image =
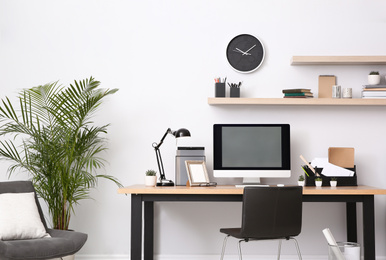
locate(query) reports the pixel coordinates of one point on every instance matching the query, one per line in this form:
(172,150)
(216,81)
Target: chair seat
(61,243)
(237,233)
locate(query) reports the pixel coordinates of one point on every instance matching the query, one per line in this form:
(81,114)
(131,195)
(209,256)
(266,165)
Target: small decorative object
(301,180)
(150,178)
(198,176)
(374,78)
(235,89)
(333,182)
(245,53)
(336,91)
(347,93)
(318,182)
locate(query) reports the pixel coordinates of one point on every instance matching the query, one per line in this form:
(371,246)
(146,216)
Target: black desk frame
(137,220)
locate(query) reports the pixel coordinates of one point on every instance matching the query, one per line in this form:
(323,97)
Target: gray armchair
(60,244)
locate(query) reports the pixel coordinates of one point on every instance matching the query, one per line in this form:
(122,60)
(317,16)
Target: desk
(146,196)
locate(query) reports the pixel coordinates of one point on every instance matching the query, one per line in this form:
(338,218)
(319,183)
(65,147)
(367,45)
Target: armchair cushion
(19,217)
(61,243)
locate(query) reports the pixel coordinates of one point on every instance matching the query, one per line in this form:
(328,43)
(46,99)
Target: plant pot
(301,183)
(150,181)
(374,79)
(333,183)
(318,183)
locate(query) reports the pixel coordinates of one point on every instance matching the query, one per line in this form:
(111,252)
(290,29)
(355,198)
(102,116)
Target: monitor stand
(249,181)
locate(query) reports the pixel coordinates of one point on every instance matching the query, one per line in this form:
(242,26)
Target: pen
(305,171)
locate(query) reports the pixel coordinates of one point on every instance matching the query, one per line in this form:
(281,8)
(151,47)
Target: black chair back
(271,212)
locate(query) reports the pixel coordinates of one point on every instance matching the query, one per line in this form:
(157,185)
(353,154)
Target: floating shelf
(338,60)
(298,101)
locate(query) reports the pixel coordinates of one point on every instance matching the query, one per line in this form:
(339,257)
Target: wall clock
(245,53)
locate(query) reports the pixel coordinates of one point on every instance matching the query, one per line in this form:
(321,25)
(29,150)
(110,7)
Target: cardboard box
(325,86)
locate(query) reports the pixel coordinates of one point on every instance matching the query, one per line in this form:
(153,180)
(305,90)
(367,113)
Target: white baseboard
(206,257)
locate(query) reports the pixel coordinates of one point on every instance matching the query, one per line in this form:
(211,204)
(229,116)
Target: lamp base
(165,183)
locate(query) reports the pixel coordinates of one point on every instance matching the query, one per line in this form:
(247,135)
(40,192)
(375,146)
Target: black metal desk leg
(149,231)
(368,227)
(136,227)
(351,221)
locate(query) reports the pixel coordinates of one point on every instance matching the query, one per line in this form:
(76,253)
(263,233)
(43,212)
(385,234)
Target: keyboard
(251,185)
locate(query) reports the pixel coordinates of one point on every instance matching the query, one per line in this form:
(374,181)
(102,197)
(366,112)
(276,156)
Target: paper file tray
(342,181)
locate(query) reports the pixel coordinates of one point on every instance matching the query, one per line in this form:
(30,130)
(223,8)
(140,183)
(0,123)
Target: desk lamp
(179,133)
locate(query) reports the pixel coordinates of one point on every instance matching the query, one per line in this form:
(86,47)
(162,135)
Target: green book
(297,94)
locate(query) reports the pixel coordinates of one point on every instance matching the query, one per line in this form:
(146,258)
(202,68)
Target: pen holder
(219,90)
(235,92)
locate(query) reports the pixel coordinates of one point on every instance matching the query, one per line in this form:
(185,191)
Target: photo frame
(197,174)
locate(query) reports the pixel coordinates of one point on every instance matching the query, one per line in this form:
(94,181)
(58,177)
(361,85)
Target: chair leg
(279,250)
(239,247)
(223,247)
(297,248)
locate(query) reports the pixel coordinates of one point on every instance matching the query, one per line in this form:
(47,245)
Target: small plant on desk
(318,182)
(150,178)
(333,182)
(301,180)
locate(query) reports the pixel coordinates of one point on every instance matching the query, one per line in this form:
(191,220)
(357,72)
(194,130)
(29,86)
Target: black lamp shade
(182,132)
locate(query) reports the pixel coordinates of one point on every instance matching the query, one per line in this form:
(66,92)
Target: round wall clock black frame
(245,53)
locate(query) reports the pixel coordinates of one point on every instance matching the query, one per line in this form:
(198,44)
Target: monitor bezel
(274,172)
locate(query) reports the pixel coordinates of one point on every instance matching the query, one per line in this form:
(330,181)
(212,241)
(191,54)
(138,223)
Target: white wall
(163,56)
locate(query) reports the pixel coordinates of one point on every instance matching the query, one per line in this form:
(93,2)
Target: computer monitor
(251,151)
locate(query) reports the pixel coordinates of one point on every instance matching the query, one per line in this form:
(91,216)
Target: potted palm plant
(50,134)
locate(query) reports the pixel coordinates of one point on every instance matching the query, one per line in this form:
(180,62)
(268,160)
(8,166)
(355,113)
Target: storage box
(325,86)
(342,181)
(184,154)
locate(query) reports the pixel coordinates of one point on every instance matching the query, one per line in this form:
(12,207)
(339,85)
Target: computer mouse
(280,185)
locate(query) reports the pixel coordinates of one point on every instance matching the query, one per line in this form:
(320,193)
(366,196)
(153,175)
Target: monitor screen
(251,150)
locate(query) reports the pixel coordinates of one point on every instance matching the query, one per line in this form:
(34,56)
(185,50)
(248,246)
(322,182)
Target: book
(374,86)
(298,94)
(374,89)
(374,94)
(296,90)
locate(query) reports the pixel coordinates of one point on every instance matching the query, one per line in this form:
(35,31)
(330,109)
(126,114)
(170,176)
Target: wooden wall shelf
(298,101)
(338,60)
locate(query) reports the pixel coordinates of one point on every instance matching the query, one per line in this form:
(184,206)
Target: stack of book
(374,91)
(297,93)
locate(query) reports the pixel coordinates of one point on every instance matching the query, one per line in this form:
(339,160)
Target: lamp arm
(168,131)
(159,162)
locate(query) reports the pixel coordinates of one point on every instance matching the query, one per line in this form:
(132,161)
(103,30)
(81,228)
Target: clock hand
(246,53)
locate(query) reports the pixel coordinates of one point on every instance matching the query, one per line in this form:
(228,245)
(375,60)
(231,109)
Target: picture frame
(197,174)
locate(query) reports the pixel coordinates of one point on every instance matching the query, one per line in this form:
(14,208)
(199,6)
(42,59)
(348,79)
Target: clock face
(245,53)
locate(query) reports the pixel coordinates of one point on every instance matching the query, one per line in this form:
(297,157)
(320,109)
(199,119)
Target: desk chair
(268,213)
(61,243)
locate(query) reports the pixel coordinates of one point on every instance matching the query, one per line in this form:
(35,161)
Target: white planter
(301,183)
(374,79)
(333,183)
(318,183)
(150,181)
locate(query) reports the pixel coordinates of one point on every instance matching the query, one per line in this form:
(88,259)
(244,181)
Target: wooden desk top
(231,189)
